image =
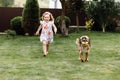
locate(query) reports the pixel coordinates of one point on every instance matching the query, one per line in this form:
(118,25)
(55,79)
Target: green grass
(22,58)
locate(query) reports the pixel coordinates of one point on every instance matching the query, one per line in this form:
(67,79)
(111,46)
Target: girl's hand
(55,30)
(37,33)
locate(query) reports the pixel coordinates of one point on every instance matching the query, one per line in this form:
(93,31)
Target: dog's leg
(86,57)
(80,56)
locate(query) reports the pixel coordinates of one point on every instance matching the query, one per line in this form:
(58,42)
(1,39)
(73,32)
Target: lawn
(22,58)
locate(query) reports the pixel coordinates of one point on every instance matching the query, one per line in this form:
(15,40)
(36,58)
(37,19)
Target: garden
(21,52)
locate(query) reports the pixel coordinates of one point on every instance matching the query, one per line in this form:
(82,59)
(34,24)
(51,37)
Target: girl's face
(46,17)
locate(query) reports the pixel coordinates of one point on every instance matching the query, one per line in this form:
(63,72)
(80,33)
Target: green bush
(57,22)
(30,14)
(10,32)
(67,21)
(16,24)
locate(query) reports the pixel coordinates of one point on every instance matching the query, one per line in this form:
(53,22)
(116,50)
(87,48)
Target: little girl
(46,37)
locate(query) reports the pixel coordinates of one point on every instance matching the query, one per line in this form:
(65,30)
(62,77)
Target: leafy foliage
(6,3)
(10,32)
(89,24)
(16,24)
(75,5)
(58,20)
(67,20)
(30,16)
(102,12)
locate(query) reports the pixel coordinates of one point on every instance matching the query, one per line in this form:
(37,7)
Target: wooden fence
(7,13)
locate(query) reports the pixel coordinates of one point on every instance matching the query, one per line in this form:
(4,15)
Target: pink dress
(47,32)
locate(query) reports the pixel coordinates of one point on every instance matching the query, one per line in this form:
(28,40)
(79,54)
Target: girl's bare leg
(48,47)
(44,48)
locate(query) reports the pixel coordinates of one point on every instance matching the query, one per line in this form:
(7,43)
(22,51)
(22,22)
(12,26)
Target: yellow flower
(89,24)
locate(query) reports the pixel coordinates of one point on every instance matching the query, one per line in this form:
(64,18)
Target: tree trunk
(63,27)
(103,27)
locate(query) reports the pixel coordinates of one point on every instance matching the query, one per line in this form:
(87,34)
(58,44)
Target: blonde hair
(48,13)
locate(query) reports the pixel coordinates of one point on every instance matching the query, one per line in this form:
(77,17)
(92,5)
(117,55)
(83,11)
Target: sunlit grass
(22,58)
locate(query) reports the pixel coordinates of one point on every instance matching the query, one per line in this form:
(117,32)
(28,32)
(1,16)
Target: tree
(76,6)
(63,27)
(6,3)
(30,16)
(103,11)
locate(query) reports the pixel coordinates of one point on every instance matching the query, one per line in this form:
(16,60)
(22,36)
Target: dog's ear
(88,39)
(77,41)
(80,41)
(89,42)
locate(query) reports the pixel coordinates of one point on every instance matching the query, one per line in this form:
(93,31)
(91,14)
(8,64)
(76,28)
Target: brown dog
(83,44)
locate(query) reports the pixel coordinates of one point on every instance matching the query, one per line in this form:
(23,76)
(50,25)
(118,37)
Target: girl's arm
(38,30)
(54,28)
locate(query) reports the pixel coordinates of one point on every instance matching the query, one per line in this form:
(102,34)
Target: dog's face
(84,40)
